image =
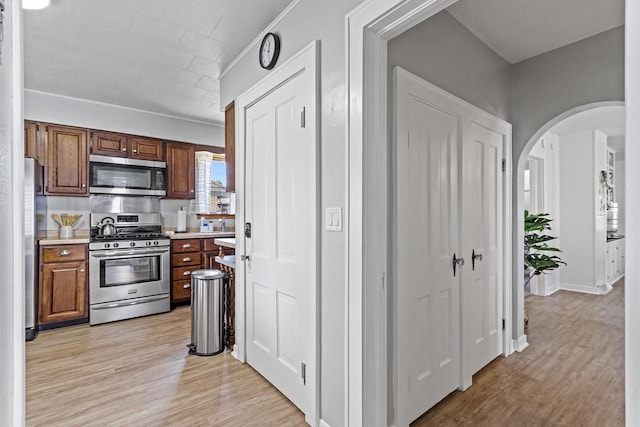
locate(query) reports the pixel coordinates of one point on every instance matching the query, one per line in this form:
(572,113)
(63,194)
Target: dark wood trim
(230,146)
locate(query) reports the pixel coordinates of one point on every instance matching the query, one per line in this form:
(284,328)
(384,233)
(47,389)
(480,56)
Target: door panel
(427,221)
(280,276)
(482,236)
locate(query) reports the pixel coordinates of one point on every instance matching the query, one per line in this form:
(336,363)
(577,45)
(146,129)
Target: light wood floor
(137,373)
(572,373)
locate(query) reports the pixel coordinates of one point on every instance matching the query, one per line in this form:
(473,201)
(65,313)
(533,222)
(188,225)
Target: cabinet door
(66,170)
(146,149)
(33,144)
(181,170)
(109,144)
(63,292)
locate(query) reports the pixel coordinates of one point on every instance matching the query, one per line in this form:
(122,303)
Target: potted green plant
(537,259)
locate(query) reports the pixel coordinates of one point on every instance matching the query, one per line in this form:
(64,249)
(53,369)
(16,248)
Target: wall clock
(269,51)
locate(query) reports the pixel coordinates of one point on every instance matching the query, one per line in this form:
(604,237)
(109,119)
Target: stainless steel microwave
(117,175)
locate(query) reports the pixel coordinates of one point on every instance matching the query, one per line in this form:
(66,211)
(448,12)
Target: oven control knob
(148,243)
(107,246)
(132,244)
(115,245)
(155,243)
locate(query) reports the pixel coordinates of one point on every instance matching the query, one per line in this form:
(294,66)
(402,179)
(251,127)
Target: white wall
(64,110)
(548,150)
(632,200)
(12,331)
(463,66)
(582,157)
(325,21)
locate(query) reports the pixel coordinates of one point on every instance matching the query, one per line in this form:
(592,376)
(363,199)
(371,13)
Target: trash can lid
(207,274)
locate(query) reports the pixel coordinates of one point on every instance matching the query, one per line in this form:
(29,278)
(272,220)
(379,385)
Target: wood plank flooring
(138,373)
(572,373)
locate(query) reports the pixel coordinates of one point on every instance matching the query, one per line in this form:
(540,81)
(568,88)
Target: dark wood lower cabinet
(63,284)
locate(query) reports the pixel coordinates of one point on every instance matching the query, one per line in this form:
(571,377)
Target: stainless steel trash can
(207,312)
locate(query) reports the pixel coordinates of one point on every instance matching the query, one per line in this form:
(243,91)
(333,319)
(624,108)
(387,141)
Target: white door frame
(367,29)
(305,61)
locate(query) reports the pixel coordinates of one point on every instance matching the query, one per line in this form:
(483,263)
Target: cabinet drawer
(183,273)
(186,245)
(184,259)
(64,253)
(181,289)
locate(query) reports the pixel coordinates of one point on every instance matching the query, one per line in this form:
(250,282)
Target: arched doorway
(520,166)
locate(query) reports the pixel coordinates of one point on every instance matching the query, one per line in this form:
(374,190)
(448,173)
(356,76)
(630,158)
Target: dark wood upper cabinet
(121,145)
(181,167)
(109,144)
(67,159)
(146,148)
(230,146)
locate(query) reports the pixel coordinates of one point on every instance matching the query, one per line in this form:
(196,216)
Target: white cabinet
(615,260)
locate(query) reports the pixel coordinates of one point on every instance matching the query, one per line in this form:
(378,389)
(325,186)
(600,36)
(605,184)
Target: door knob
(244,257)
(457,262)
(474,257)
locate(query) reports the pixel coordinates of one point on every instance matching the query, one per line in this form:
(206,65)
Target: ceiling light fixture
(35,4)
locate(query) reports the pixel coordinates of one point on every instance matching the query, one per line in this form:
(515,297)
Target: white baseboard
(323,423)
(520,344)
(602,289)
(616,279)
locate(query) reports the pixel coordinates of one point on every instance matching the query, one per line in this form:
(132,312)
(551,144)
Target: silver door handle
(457,262)
(186,273)
(474,257)
(65,253)
(186,245)
(187,286)
(186,259)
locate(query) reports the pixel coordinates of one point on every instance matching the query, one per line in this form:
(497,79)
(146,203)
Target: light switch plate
(333,219)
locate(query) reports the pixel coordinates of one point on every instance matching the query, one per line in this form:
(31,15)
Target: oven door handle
(128,303)
(113,254)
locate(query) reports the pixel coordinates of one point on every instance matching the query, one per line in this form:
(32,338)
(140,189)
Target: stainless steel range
(128,266)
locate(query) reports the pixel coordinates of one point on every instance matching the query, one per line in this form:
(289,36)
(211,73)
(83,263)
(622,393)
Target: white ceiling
(521,29)
(156,55)
(610,120)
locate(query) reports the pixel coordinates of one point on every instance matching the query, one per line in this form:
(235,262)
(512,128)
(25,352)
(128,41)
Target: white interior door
(482,231)
(280,205)
(427,134)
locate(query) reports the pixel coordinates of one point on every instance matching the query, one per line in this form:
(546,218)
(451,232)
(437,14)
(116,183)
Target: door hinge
(503,324)
(504,165)
(303,370)
(303,118)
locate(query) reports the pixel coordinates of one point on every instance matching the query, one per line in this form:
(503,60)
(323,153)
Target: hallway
(572,373)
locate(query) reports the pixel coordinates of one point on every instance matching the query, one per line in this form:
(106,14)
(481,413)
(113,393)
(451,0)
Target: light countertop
(198,235)
(51,241)
(229,261)
(227,242)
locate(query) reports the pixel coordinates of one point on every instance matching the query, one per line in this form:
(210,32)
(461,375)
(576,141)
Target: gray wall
(445,53)
(11,228)
(319,20)
(591,70)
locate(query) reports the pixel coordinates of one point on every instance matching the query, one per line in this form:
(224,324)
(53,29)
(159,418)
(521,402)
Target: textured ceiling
(154,55)
(521,29)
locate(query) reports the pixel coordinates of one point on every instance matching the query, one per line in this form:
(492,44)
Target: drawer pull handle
(186,245)
(65,252)
(186,273)
(186,259)
(187,286)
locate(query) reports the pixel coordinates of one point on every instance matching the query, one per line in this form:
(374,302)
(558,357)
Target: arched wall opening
(519,204)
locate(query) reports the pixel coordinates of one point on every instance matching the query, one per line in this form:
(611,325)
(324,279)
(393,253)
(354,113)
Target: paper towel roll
(182,221)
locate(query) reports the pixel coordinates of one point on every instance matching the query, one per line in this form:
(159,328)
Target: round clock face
(269,51)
